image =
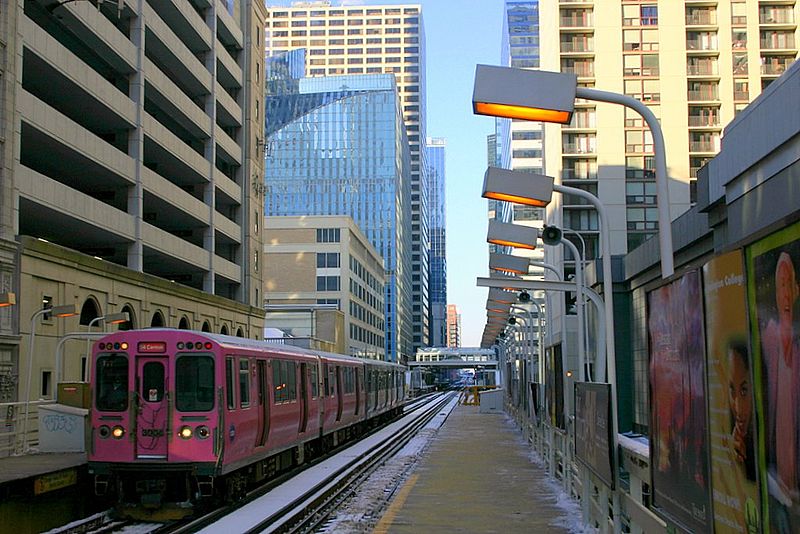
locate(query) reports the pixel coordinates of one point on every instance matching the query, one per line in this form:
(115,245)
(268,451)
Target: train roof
(235,341)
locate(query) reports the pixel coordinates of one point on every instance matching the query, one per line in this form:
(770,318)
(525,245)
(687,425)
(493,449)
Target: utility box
(62,428)
(76,394)
(491,400)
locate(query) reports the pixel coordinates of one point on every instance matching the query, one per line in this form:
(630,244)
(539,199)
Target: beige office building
(325,262)
(131,173)
(695,63)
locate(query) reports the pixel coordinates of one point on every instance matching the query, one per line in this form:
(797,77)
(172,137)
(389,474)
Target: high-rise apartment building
(438,261)
(338,146)
(129,143)
(453,326)
(372,39)
(695,64)
(326,262)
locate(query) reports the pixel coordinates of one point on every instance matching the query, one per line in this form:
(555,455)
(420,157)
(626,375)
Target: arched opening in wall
(206,327)
(184,324)
(157,321)
(130,324)
(224,330)
(239,332)
(89,312)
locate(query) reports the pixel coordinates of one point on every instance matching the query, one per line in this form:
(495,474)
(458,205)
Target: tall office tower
(695,64)
(438,222)
(370,39)
(453,326)
(339,147)
(523,139)
(125,183)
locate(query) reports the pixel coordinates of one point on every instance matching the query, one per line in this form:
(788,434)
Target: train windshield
(112,383)
(194,383)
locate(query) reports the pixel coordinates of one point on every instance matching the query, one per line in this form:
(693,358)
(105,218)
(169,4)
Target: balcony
(701,18)
(703,96)
(776,66)
(700,45)
(577,22)
(781,42)
(577,47)
(582,71)
(578,174)
(703,121)
(703,146)
(776,17)
(577,148)
(702,69)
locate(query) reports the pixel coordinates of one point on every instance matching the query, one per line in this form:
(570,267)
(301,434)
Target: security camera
(524,296)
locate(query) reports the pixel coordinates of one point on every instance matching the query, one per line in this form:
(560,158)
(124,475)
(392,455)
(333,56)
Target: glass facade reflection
(438,262)
(339,147)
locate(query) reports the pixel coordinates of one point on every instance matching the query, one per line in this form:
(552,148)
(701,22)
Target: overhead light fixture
(8,299)
(68,310)
(519,187)
(531,95)
(507,263)
(512,235)
(503,297)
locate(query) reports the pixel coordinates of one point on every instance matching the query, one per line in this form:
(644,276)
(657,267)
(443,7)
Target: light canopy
(512,235)
(519,187)
(507,263)
(531,95)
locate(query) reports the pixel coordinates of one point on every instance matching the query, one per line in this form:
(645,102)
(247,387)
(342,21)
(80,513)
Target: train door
(339,400)
(152,414)
(303,397)
(263,403)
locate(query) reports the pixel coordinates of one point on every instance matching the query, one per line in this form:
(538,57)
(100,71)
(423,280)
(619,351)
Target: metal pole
(659,153)
(28,381)
(580,283)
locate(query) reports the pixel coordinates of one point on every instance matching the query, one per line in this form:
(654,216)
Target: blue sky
(460,34)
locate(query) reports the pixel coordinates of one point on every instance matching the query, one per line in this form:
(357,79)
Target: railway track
(304,502)
(415,411)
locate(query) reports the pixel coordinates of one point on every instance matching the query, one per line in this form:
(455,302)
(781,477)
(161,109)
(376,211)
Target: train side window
(278,381)
(244,382)
(314,385)
(325,386)
(291,381)
(331,382)
(229,383)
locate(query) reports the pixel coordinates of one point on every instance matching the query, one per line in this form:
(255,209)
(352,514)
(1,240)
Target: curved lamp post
(537,95)
(56,311)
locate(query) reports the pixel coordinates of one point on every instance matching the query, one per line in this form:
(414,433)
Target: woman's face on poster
(785,285)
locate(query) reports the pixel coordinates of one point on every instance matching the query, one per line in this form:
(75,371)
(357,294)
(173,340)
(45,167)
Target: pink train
(180,417)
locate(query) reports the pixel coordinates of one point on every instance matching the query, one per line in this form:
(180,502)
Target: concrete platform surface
(478,476)
(31,465)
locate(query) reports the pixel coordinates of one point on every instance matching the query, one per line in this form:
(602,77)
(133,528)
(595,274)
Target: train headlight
(104,432)
(185,432)
(117,432)
(203,432)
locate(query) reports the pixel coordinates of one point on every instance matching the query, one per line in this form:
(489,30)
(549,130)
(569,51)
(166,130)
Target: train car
(179,417)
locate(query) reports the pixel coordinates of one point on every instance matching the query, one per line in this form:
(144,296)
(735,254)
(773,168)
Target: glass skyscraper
(437,279)
(366,39)
(338,146)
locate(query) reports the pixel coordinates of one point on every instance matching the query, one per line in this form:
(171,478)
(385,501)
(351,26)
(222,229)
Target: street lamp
(57,311)
(512,235)
(550,97)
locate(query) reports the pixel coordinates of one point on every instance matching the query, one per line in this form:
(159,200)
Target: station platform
(42,472)
(479,475)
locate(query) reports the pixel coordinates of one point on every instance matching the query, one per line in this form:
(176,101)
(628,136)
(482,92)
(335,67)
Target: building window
(327,259)
(327,283)
(328,235)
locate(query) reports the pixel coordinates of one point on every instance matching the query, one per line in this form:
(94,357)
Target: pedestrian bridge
(455,358)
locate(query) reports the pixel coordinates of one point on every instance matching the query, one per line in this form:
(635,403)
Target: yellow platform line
(386,521)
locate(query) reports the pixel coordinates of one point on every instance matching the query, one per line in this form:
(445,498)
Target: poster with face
(679,443)
(731,414)
(773,295)
(593,429)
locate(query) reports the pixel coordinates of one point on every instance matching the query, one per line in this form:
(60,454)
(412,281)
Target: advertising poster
(593,429)
(679,443)
(731,413)
(772,267)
